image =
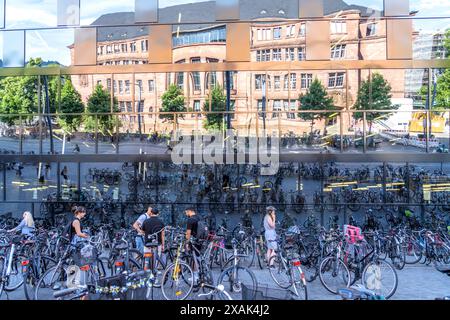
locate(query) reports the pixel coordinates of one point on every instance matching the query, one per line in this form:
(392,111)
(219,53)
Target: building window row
(262,81)
(122,48)
(292,54)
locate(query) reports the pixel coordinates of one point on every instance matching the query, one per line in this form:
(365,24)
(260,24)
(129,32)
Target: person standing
(192,231)
(75,232)
(65,173)
(270,234)
(153,229)
(137,225)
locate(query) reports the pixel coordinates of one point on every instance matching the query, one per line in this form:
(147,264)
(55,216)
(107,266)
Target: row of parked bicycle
(222,265)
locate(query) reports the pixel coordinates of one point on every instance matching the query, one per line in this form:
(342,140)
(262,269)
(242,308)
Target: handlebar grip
(65,292)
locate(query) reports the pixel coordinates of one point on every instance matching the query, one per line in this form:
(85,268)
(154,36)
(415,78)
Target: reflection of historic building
(363,39)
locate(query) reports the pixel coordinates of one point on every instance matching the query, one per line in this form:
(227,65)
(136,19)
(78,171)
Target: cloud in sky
(52,44)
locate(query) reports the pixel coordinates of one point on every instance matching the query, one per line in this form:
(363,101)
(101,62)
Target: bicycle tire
(57,274)
(372,285)
(16,274)
(32,275)
(279,271)
(184,275)
(234,287)
(345,277)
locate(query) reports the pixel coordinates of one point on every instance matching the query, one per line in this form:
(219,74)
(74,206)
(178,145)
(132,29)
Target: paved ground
(416,282)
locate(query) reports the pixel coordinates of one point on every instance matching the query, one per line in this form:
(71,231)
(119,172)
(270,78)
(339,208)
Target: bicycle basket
(86,255)
(265,293)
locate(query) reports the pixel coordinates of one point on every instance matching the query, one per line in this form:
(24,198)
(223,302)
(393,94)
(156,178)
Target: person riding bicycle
(76,149)
(270,233)
(153,229)
(137,225)
(26,226)
(75,230)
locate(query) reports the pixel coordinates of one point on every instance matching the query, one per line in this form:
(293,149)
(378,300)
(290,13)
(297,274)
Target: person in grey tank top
(270,234)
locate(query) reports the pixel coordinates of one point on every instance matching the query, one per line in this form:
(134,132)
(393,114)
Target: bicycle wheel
(398,257)
(177,281)
(334,274)
(300,289)
(280,272)
(15,278)
(33,271)
(52,280)
(233,279)
(310,268)
(380,277)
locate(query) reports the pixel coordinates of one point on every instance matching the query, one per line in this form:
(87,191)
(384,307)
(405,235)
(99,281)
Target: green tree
(218,104)
(442,98)
(172,101)
(378,99)
(100,102)
(315,99)
(447,43)
(18,95)
(70,103)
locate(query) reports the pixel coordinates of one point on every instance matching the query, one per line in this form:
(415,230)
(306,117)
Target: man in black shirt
(192,223)
(153,226)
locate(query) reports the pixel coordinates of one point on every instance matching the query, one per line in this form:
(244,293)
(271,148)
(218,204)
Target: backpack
(202,230)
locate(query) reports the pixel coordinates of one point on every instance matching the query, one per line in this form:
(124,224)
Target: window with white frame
(277,82)
(338,27)
(301,53)
(151,85)
(197,106)
(286,82)
(290,31)
(336,80)
(338,51)
(290,54)
(196,80)
(293,80)
(124,47)
(259,81)
(120,87)
(263,55)
(277,106)
(276,33)
(127,86)
(306,80)
(292,107)
(133,47)
(276,55)
(302,30)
